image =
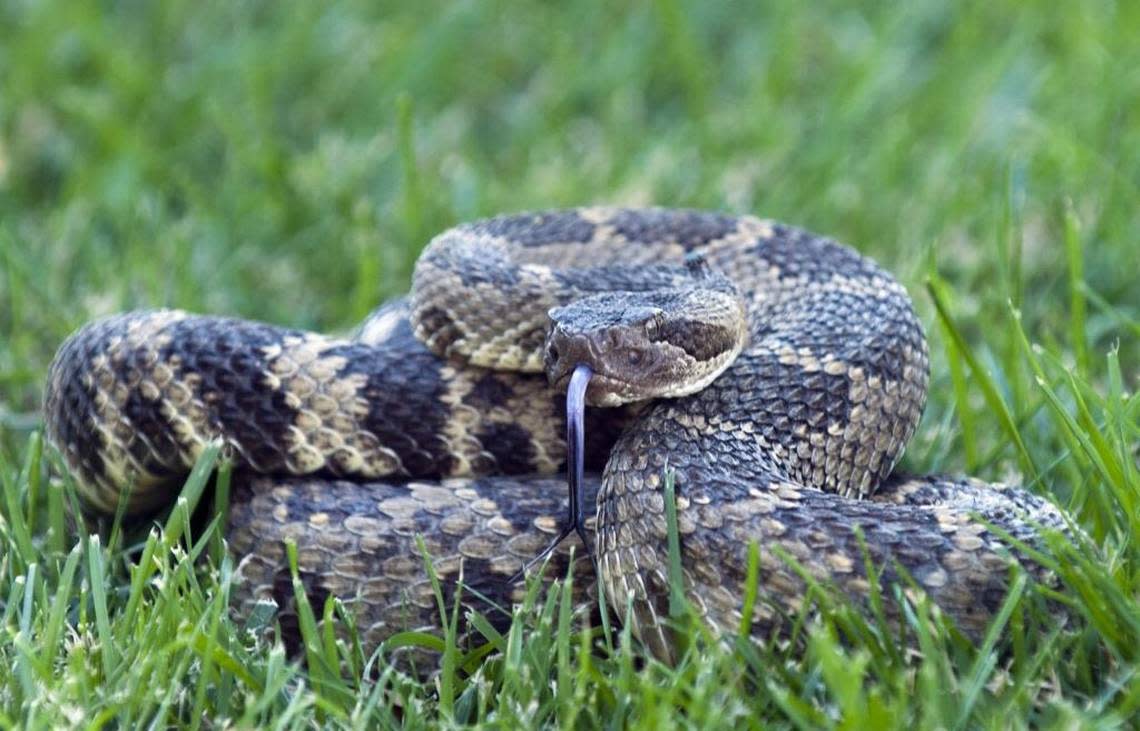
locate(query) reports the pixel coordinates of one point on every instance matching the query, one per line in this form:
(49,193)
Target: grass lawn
(287,160)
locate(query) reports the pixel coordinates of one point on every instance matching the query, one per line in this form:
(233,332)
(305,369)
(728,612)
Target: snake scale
(805,371)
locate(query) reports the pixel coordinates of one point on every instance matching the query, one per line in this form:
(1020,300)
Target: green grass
(286,161)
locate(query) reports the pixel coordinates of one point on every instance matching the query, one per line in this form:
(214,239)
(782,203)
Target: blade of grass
(1076,271)
(95,570)
(936,289)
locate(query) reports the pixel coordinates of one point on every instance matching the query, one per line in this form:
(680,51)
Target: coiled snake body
(433,421)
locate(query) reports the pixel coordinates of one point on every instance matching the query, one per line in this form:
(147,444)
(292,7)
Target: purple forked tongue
(576,446)
(575,466)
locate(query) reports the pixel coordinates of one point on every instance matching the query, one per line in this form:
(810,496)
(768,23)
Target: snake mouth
(603,390)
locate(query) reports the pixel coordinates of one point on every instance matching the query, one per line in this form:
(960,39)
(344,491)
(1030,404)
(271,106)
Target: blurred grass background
(287,160)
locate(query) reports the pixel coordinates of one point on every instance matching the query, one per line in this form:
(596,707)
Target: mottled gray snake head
(645,345)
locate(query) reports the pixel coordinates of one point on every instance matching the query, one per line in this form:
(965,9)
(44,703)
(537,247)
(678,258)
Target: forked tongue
(575,466)
(576,446)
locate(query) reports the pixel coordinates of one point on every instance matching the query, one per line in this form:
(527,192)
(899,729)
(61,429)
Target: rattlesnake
(435,420)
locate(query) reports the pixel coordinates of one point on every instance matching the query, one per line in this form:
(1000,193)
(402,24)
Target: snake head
(644,345)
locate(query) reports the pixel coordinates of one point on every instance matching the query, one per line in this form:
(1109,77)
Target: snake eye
(635,356)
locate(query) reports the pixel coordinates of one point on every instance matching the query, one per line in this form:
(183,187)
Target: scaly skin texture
(351,448)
